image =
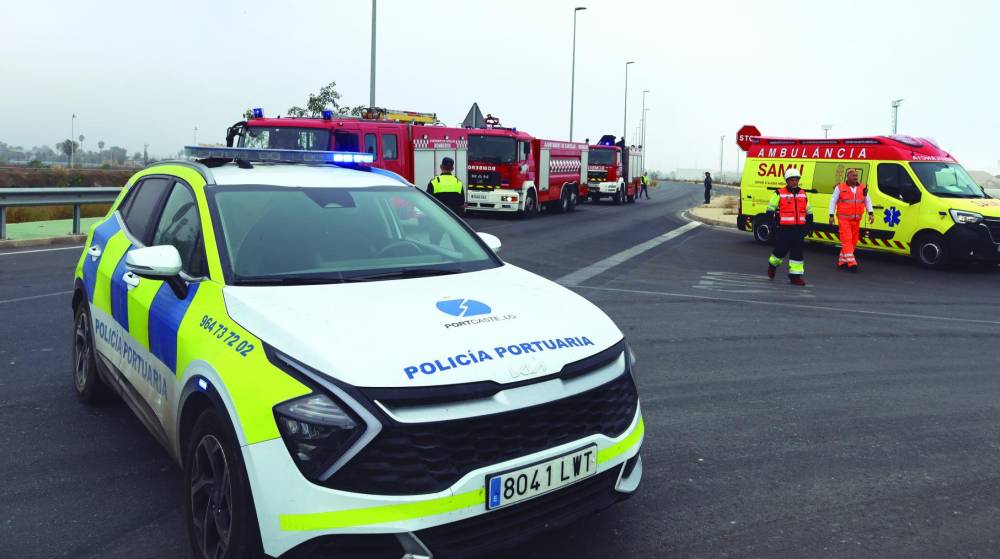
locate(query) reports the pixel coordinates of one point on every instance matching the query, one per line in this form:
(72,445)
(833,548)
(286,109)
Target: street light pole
(625,118)
(195,135)
(826,130)
(371,95)
(572,82)
(72,134)
(722,145)
(642,132)
(895,113)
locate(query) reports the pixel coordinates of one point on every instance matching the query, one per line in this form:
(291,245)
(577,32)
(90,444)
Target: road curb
(25,243)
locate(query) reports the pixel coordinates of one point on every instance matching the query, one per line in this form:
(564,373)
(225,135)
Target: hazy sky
(149,72)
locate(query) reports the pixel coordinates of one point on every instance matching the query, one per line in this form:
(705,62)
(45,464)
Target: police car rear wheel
(220,515)
(930,251)
(88,384)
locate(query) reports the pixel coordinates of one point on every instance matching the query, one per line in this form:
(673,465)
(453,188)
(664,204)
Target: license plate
(475,196)
(531,481)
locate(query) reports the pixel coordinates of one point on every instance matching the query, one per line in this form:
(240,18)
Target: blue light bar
(327,115)
(258,113)
(280,155)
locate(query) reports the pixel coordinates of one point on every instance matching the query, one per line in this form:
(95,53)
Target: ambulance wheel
(219,509)
(763,231)
(930,250)
(90,389)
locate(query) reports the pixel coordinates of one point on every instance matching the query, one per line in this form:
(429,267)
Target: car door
(155,310)
(896,202)
(105,266)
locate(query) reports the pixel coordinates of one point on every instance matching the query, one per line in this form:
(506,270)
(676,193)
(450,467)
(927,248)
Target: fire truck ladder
(376,113)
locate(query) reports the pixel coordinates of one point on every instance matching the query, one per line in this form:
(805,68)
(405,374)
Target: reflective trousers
(790,239)
(850,235)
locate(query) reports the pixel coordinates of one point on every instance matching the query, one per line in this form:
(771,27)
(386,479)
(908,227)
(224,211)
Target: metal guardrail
(72,196)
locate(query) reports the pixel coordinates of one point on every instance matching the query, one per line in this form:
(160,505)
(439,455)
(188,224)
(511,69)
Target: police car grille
(417,458)
(994,226)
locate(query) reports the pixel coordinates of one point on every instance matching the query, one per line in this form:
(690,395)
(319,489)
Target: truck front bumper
(603,188)
(496,200)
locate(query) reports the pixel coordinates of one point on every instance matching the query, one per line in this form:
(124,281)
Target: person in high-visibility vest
(848,204)
(447,188)
(794,218)
(644,183)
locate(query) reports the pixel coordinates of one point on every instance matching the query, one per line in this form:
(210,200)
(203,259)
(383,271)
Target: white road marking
(32,297)
(76,247)
(794,305)
(733,282)
(601,266)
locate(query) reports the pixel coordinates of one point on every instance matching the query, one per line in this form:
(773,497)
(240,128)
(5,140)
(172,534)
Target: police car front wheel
(220,515)
(88,384)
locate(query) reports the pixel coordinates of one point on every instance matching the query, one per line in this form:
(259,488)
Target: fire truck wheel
(573,199)
(530,206)
(563,200)
(618,197)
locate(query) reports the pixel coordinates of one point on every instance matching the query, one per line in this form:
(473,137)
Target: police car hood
(504,325)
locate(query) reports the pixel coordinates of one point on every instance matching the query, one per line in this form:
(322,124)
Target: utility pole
(722,144)
(72,134)
(625,118)
(642,133)
(371,96)
(895,113)
(195,136)
(826,130)
(572,83)
(145,154)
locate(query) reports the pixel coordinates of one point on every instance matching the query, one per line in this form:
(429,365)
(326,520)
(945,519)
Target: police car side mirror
(158,262)
(491,241)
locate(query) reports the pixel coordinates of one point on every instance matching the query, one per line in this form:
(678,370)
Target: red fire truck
(608,175)
(407,143)
(512,171)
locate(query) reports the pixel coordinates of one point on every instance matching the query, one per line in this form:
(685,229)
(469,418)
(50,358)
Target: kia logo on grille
(463,307)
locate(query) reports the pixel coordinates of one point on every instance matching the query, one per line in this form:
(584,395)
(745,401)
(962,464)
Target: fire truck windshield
(601,157)
(273,137)
(492,149)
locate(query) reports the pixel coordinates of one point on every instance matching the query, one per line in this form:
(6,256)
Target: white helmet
(792,173)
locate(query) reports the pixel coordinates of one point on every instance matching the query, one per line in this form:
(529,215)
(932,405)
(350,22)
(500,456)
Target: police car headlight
(966,218)
(317,431)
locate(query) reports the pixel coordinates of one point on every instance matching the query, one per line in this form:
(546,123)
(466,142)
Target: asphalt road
(856,417)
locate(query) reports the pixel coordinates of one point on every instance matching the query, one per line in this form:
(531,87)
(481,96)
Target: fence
(76,197)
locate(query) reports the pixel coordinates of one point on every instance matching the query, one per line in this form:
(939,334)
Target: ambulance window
(345,141)
(389,149)
(142,207)
(371,144)
(893,180)
(180,227)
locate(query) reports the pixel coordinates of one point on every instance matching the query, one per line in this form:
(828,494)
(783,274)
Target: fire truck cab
(610,175)
(407,143)
(512,171)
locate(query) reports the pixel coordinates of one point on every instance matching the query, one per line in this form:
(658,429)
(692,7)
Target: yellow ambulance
(926,205)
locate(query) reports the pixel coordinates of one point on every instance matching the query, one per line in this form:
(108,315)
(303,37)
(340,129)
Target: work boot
(796,280)
(770,271)
(853,269)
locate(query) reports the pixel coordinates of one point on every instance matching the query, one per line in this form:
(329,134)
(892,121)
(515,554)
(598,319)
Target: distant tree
(117,154)
(327,99)
(137,156)
(100,144)
(67,147)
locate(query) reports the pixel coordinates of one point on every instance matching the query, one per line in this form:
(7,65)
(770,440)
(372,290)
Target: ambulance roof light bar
(345,158)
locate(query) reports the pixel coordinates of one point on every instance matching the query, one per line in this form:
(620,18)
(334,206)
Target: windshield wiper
(290,280)
(402,274)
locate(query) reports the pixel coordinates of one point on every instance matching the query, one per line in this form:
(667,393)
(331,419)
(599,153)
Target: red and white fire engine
(512,171)
(610,175)
(407,143)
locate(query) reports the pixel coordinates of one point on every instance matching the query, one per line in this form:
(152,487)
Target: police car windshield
(492,149)
(273,137)
(288,235)
(948,180)
(601,157)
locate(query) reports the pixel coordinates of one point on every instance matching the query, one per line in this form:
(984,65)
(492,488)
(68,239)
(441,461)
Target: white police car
(342,366)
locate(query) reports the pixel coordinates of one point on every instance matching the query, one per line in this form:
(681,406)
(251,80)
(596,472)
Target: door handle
(878,207)
(94,252)
(130,279)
